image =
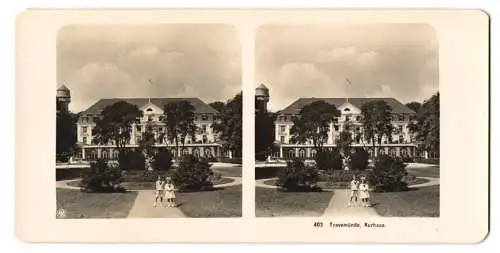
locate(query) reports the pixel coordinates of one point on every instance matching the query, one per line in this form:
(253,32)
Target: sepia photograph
(347,120)
(149,121)
(154,137)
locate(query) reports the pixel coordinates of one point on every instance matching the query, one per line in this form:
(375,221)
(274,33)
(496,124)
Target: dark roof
(262,86)
(200,106)
(295,107)
(63,88)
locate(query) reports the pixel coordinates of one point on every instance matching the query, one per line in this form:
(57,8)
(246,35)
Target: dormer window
(149,110)
(347,110)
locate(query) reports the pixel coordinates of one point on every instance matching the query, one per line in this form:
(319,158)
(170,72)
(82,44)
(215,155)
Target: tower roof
(63,88)
(262,87)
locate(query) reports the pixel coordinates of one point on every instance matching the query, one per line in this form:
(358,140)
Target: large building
(204,143)
(402,143)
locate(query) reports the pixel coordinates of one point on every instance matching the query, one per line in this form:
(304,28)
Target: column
(281,151)
(98,153)
(398,151)
(296,152)
(83,153)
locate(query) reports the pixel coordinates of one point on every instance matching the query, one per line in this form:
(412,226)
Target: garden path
(338,206)
(143,208)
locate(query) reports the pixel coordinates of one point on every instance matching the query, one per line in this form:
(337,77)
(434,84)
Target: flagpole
(149,97)
(347,83)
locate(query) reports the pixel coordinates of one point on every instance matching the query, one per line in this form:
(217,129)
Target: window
(139,128)
(149,110)
(282,128)
(401,139)
(336,127)
(347,110)
(84,140)
(208,152)
(160,129)
(104,154)
(335,120)
(282,139)
(400,128)
(358,118)
(205,139)
(302,153)
(150,118)
(185,151)
(84,129)
(401,117)
(347,118)
(313,153)
(203,128)
(204,117)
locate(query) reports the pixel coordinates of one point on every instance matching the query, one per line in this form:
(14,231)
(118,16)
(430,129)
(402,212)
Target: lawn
(228,171)
(270,202)
(78,204)
(424,172)
(208,204)
(420,202)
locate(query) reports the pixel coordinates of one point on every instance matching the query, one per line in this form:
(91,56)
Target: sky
(170,60)
(361,60)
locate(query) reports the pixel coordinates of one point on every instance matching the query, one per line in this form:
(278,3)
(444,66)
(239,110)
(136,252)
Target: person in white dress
(159,185)
(170,192)
(364,192)
(354,191)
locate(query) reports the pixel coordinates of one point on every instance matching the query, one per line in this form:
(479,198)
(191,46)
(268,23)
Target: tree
(344,141)
(218,106)
(376,120)
(147,142)
(179,121)
(264,133)
(65,134)
(415,106)
(229,126)
(313,123)
(115,125)
(426,125)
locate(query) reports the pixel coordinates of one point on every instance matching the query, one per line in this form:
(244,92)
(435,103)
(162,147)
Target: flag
(348,82)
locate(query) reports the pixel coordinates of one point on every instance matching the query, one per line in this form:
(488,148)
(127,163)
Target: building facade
(204,143)
(402,142)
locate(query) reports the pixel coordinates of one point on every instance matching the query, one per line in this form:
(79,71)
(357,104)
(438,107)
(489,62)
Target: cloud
(390,60)
(159,61)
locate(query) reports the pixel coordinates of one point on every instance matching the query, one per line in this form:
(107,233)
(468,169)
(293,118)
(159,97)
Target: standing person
(354,190)
(159,185)
(170,192)
(364,191)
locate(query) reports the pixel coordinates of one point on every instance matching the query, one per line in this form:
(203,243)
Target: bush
(429,160)
(162,160)
(132,160)
(359,159)
(99,166)
(389,174)
(101,178)
(329,160)
(407,159)
(297,177)
(144,176)
(192,174)
(336,176)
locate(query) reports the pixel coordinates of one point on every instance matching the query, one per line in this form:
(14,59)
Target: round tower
(63,98)
(261,97)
